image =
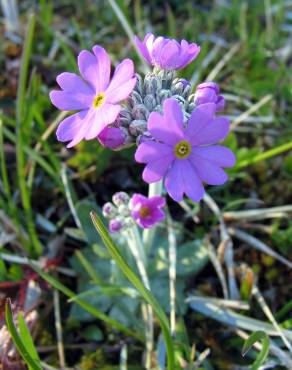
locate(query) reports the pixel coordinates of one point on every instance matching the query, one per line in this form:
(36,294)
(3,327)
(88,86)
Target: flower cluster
(176,130)
(124,211)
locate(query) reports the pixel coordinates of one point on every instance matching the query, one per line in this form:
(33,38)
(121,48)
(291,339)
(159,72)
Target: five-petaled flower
(185,156)
(95,96)
(167,53)
(147,211)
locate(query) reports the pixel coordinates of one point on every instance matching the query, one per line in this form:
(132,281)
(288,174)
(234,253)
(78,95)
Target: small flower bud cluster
(118,212)
(148,96)
(123,212)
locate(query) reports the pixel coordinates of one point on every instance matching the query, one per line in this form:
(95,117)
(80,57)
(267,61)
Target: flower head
(94,95)
(147,211)
(208,92)
(185,156)
(167,53)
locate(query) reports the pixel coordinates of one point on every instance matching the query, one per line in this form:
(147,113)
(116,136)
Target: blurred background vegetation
(47,191)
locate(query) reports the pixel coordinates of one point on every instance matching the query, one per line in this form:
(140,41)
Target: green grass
(47,192)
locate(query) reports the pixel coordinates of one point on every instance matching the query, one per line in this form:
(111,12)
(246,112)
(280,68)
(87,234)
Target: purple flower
(167,53)
(95,96)
(185,157)
(208,92)
(147,211)
(112,137)
(115,225)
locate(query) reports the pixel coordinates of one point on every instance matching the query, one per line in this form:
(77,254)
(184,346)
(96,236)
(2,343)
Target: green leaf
(20,346)
(253,338)
(92,333)
(191,257)
(27,339)
(133,278)
(86,306)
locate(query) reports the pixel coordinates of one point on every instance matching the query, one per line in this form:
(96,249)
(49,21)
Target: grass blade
(133,278)
(20,346)
(27,339)
(36,247)
(255,337)
(265,155)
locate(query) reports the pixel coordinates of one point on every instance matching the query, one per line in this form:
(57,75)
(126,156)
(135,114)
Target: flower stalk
(137,250)
(148,234)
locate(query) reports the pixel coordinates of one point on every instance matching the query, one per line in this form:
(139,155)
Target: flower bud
(112,137)
(208,92)
(120,198)
(109,210)
(115,225)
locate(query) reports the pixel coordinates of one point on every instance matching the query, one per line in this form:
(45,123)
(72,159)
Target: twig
(228,253)
(218,268)
(258,244)
(26,261)
(238,305)
(211,76)
(202,357)
(258,214)
(69,197)
(268,313)
(125,24)
(58,326)
(250,111)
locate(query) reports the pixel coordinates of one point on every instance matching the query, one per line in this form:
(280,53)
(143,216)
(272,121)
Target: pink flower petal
(70,126)
(169,128)
(142,48)
(174,182)
(154,171)
(219,155)
(182,178)
(168,54)
(102,117)
(103,68)
(200,117)
(157,201)
(121,92)
(95,68)
(213,132)
(73,128)
(151,151)
(70,101)
(209,172)
(193,186)
(70,82)
(123,73)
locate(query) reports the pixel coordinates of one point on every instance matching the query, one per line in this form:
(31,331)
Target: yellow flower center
(182,149)
(98,100)
(144,212)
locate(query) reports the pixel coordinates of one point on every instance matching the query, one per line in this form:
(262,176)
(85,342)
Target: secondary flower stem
(172,273)
(137,250)
(148,234)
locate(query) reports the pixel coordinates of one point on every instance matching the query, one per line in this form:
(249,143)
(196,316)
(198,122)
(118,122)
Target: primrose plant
(176,131)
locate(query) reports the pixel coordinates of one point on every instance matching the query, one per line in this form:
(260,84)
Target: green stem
(134,279)
(136,246)
(149,234)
